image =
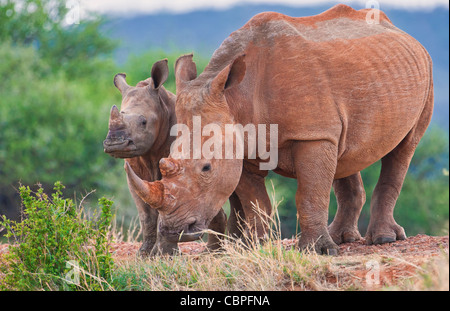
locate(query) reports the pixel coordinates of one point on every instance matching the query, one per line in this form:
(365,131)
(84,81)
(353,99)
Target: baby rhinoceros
(140,134)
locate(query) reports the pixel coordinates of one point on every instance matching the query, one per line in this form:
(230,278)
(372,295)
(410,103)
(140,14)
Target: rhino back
(332,76)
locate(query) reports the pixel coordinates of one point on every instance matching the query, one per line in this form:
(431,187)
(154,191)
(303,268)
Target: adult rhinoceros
(344,93)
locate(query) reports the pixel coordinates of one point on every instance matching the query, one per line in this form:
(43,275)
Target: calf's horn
(151,193)
(115,119)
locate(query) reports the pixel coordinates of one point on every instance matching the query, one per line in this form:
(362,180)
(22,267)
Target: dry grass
(249,266)
(264,268)
(275,265)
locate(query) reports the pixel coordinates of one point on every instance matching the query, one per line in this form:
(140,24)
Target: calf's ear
(229,76)
(160,72)
(120,82)
(185,71)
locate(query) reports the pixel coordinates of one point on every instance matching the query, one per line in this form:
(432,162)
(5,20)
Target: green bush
(58,247)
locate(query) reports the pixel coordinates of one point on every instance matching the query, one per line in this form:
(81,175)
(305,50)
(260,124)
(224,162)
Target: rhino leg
(219,225)
(255,202)
(382,226)
(350,197)
(315,166)
(235,223)
(163,247)
(148,218)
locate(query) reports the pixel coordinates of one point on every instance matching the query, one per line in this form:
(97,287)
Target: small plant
(57,246)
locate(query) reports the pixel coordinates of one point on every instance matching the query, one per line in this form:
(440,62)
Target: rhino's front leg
(315,166)
(236,221)
(148,218)
(219,225)
(164,247)
(255,201)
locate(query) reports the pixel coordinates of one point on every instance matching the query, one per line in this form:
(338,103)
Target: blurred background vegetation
(55,95)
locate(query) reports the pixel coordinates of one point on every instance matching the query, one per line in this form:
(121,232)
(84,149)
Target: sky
(134,7)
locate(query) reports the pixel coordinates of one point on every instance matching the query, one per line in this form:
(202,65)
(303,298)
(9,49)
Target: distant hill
(202,32)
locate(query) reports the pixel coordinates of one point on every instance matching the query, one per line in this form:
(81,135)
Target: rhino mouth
(190,233)
(119,148)
(184,237)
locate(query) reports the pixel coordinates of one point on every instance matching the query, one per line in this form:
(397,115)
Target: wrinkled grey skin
(139,133)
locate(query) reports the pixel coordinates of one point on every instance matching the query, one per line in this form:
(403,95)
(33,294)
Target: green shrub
(58,246)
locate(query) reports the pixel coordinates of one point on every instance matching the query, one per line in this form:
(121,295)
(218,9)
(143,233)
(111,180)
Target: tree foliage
(56,92)
(64,42)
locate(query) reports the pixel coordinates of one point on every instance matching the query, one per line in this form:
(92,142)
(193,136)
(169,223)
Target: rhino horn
(151,193)
(115,119)
(168,167)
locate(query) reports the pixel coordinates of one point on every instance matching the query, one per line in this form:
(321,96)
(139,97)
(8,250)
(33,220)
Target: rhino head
(192,191)
(135,129)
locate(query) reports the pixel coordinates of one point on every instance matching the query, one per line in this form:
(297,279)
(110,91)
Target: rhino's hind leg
(315,166)
(350,197)
(382,226)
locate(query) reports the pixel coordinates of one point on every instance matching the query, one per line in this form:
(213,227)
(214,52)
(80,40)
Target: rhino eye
(142,120)
(206,167)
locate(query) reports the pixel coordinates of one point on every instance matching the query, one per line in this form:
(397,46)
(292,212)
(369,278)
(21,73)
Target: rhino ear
(229,76)
(185,71)
(120,82)
(160,72)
